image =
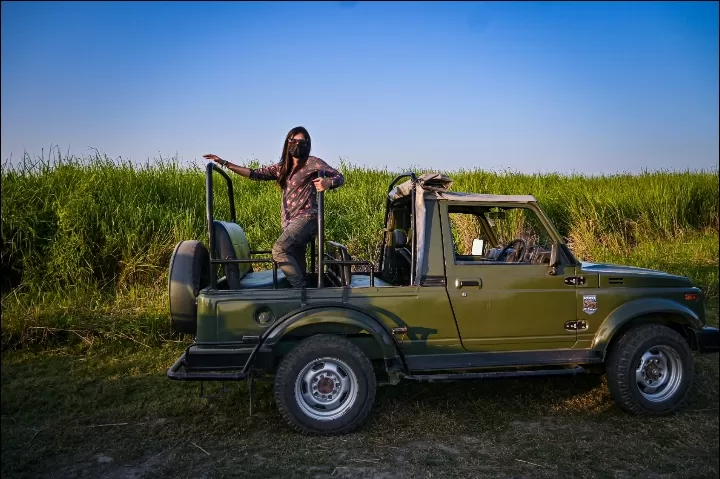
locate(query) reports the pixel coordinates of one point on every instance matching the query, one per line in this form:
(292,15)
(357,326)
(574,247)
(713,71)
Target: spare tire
(189,273)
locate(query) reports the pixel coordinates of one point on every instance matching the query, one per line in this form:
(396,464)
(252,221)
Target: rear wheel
(325,386)
(650,370)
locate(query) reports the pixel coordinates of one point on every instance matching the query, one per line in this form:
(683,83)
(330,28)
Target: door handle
(459,283)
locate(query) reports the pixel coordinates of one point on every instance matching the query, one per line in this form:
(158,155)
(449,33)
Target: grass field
(109,411)
(87,242)
(86,340)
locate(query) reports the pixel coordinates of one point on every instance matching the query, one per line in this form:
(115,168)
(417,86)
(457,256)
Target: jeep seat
(231,243)
(396,264)
(400,246)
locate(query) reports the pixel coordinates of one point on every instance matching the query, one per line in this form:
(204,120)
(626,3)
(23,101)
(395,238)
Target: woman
(297,177)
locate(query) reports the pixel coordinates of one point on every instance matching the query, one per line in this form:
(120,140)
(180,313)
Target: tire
(637,384)
(189,273)
(331,365)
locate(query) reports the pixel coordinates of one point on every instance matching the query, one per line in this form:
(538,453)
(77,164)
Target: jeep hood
(636,277)
(618,269)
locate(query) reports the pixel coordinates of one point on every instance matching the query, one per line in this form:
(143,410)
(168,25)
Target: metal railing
(342,278)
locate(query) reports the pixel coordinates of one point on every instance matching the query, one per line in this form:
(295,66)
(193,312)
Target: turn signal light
(691,297)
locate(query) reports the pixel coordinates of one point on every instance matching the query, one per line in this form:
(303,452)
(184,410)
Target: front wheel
(650,370)
(325,386)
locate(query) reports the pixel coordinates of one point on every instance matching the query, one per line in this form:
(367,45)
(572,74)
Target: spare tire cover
(189,273)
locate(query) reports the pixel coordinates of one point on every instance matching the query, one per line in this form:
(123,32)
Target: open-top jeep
(469,286)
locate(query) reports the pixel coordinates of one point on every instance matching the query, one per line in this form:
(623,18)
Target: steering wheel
(503,252)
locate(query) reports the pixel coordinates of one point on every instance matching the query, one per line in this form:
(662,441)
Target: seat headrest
(231,242)
(399,239)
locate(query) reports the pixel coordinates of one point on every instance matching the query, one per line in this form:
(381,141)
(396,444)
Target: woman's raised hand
(216,159)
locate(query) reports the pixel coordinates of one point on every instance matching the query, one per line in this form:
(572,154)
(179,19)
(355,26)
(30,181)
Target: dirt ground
(112,413)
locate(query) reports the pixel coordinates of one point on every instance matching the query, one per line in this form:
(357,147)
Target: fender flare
(332,313)
(627,312)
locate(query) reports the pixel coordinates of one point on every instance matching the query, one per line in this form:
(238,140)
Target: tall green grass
(102,231)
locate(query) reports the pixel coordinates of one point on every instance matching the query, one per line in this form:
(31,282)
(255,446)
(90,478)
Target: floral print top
(299,196)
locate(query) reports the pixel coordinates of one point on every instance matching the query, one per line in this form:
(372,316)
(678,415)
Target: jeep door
(512,303)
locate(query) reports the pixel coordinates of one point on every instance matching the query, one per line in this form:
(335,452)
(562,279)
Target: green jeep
(468,286)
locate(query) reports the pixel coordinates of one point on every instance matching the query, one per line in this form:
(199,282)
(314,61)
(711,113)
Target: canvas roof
(436,185)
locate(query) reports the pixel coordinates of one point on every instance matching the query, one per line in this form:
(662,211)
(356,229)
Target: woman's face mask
(298,148)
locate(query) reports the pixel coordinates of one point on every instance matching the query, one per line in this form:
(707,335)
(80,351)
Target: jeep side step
(493,375)
(175,373)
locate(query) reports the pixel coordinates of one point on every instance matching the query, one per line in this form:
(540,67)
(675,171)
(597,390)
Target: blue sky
(591,87)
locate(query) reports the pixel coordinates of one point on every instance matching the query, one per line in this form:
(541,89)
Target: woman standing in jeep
(297,177)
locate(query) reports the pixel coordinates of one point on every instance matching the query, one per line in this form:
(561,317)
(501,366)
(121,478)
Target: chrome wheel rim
(326,388)
(659,373)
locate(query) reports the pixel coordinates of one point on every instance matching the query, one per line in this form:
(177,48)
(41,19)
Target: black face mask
(298,151)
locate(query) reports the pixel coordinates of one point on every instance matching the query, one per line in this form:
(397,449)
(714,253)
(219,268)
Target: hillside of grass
(87,241)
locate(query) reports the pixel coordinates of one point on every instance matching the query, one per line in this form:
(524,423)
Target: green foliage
(103,229)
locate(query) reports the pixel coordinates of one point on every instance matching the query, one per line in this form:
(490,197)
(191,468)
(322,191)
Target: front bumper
(708,340)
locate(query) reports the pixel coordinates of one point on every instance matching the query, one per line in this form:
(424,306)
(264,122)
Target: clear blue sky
(530,86)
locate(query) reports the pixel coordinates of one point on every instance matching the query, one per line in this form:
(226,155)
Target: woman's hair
(286,159)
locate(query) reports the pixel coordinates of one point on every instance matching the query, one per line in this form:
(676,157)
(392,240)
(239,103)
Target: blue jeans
(289,249)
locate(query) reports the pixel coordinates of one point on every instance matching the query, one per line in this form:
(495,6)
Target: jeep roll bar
(209,196)
(321,234)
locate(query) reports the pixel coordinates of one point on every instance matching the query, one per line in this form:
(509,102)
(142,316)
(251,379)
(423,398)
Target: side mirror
(554,262)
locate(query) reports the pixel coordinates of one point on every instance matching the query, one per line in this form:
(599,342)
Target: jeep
(466,286)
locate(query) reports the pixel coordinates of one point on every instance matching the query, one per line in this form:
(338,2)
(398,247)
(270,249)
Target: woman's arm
(333,178)
(336,178)
(265,173)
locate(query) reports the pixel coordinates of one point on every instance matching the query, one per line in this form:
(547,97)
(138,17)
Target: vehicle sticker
(589,303)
